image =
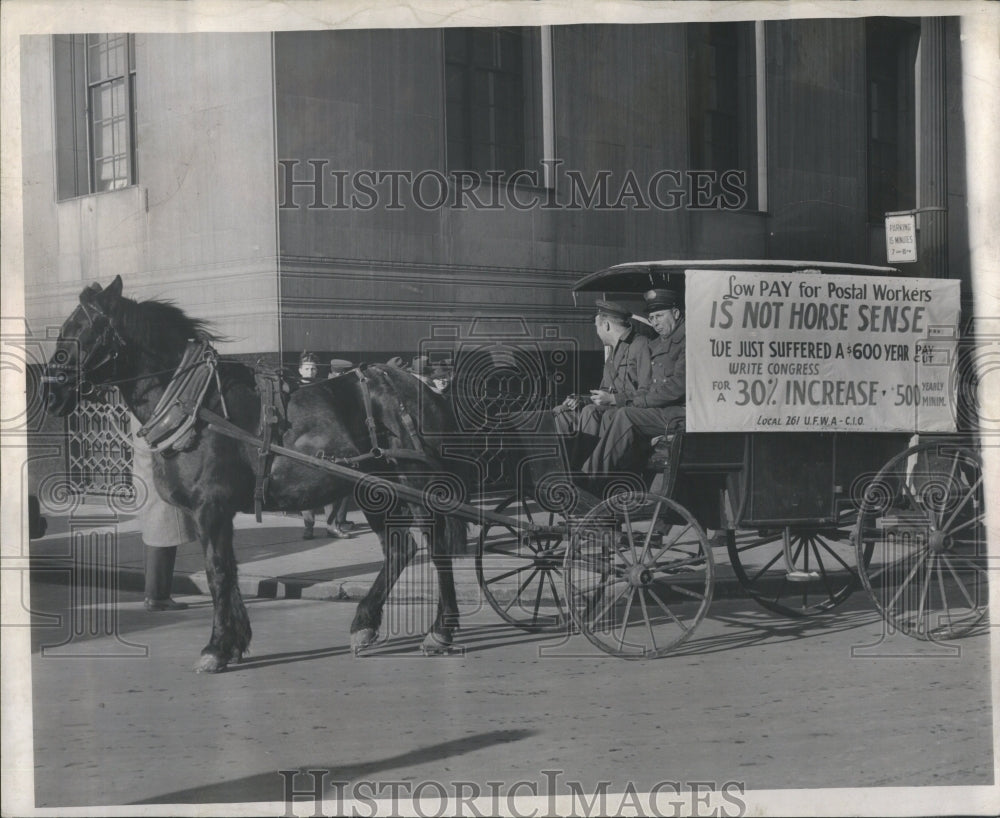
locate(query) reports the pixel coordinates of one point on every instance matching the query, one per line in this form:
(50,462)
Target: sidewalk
(275,562)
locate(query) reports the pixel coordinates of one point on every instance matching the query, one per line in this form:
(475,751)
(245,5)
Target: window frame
(535,74)
(902,36)
(749,101)
(79,92)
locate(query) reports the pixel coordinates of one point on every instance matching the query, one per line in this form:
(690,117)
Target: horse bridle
(109,345)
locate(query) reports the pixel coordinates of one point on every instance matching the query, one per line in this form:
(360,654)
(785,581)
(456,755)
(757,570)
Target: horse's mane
(161,325)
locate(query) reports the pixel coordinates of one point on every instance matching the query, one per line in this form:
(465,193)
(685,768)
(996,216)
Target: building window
(493,99)
(891,47)
(722,100)
(95,112)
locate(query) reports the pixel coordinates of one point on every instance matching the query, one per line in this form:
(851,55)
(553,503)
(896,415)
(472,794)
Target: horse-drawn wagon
(807,513)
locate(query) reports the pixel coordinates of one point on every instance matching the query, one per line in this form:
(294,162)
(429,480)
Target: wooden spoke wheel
(639,575)
(923,516)
(798,572)
(521,574)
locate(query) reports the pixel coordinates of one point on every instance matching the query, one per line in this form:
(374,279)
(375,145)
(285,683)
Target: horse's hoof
(364,638)
(436,643)
(209,663)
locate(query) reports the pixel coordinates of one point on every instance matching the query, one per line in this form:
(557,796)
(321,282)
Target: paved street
(754,699)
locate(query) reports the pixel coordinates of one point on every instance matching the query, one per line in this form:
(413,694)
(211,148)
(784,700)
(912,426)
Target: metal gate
(99,455)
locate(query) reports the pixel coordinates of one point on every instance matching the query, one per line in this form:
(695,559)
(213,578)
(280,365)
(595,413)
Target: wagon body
(806,517)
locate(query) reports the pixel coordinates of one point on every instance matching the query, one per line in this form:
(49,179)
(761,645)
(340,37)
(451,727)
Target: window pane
(482,47)
(96,58)
(456,122)
(481,157)
(107,56)
(108,100)
(510,51)
(722,122)
(104,174)
(485,78)
(891,50)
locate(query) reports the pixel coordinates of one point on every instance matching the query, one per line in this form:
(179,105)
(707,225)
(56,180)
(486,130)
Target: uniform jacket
(627,371)
(668,380)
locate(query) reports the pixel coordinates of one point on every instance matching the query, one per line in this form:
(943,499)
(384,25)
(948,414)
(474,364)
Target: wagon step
(794,574)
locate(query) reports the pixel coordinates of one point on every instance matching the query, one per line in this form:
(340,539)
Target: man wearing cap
(640,323)
(308,368)
(625,433)
(338,367)
(337,524)
(626,372)
(421,367)
(441,378)
(308,373)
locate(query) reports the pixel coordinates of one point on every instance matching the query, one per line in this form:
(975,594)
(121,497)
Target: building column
(932,143)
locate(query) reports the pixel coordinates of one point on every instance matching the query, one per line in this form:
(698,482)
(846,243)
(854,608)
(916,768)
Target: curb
(127,579)
(726,586)
(407,590)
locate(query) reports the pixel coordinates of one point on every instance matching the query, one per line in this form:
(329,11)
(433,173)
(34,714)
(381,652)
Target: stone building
(352,191)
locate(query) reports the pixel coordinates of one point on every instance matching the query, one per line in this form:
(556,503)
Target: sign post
(900,237)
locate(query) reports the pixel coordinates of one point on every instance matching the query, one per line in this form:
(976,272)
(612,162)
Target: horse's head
(86,351)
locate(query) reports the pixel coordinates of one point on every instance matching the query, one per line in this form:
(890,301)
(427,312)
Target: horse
(110,340)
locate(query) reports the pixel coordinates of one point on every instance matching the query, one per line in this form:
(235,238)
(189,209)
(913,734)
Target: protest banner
(795,352)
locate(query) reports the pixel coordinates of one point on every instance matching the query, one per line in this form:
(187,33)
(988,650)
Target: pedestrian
(441,378)
(339,366)
(308,368)
(164,528)
(421,367)
(308,374)
(337,524)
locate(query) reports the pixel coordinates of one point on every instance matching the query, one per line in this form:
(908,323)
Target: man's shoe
(338,532)
(167,604)
(307,534)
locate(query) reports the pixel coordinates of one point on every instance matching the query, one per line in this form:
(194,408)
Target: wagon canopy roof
(638,276)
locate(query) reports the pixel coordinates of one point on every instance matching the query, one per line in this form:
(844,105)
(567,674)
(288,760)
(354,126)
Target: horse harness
(172,426)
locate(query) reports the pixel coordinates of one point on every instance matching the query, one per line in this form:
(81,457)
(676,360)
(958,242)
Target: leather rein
(171,427)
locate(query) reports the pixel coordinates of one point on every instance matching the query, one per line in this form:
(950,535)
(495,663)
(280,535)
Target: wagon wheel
(521,574)
(924,518)
(798,572)
(639,575)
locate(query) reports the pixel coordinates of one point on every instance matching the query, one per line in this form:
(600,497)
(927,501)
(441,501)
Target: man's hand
(601,397)
(572,402)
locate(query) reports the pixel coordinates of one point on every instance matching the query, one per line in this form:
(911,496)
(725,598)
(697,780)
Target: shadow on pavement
(748,628)
(468,640)
(270,786)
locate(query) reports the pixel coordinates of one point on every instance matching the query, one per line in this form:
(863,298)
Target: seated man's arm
(668,382)
(642,361)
